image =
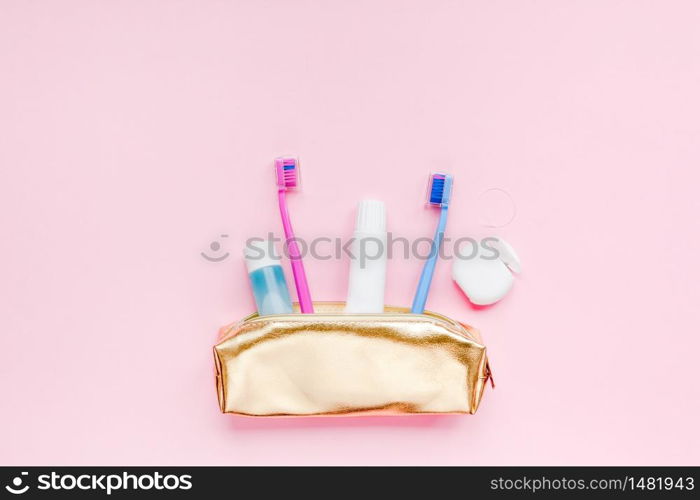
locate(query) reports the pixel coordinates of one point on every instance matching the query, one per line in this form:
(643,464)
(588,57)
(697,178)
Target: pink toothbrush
(288,178)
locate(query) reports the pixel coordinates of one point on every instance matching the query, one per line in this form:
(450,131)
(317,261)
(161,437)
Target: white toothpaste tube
(367,278)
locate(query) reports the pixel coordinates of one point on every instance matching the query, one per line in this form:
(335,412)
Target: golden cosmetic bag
(333,363)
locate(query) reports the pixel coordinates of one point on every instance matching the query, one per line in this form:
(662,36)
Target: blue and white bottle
(267,278)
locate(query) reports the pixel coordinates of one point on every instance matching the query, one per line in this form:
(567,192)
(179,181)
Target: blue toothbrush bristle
(436,189)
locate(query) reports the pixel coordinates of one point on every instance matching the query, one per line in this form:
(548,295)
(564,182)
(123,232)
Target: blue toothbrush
(439,192)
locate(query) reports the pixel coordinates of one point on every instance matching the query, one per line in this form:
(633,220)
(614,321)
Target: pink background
(133,134)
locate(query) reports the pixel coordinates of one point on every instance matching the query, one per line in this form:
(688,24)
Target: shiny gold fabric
(330,363)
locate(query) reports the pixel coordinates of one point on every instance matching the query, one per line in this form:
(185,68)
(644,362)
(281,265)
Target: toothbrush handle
(427,275)
(303,293)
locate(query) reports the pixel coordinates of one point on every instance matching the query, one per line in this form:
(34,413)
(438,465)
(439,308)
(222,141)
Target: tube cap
(371,217)
(259,254)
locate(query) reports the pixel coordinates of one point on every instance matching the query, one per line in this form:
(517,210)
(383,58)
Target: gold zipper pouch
(332,363)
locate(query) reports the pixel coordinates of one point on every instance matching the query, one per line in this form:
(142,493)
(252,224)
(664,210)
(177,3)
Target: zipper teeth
(398,316)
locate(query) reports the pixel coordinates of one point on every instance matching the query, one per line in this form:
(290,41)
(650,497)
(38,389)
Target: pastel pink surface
(134,134)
